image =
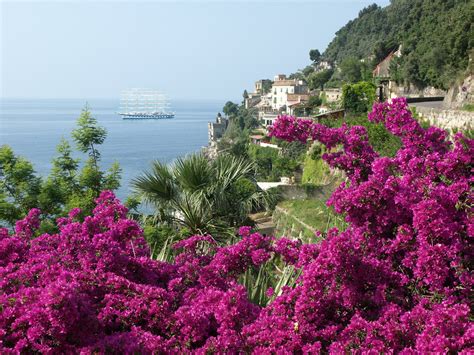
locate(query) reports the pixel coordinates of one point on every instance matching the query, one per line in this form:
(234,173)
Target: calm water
(33,128)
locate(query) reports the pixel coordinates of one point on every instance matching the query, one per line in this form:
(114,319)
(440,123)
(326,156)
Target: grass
(468,107)
(313,213)
(315,171)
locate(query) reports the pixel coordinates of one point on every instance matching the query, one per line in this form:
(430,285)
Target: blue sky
(189,49)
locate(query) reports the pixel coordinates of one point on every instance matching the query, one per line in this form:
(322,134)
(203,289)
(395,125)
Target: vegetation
(202,196)
(396,277)
(67,186)
(315,171)
(314,213)
(436,37)
(358,98)
(317,80)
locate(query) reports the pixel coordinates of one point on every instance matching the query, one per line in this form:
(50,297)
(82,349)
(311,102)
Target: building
(297,102)
(216,129)
(282,87)
(260,86)
(252,100)
(323,109)
(323,65)
(257,139)
(265,106)
(333,95)
(335,114)
(268,119)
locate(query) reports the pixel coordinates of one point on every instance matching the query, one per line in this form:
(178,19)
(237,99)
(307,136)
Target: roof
(383,68)
(297,97)
(296,104)
(330,112)
(291,82)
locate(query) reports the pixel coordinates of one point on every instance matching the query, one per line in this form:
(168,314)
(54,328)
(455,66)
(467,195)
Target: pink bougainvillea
(398,279)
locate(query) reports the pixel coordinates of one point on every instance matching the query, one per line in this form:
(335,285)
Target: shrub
(358,97)
(397,279)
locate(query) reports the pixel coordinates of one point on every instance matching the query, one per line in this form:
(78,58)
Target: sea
(33,128)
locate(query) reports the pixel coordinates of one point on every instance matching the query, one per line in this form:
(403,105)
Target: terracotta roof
(383,68)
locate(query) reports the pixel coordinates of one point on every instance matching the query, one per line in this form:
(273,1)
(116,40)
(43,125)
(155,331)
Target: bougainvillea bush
(398,279)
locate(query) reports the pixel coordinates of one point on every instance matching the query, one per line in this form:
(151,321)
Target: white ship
(144,104)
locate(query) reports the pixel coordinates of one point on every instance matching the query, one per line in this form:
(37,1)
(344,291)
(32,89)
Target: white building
(282,87)
(269,119)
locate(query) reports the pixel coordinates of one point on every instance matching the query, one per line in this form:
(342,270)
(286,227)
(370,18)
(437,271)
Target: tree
(88,135)
(230,109)
(19,186)
(65,187)
(201,195)
(245,94)
(436,39)
(351,70)
(266,86)
(317,80)
(315,56)
(358,98)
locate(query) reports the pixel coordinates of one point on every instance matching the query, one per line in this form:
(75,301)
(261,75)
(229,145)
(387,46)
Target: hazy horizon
(190,50)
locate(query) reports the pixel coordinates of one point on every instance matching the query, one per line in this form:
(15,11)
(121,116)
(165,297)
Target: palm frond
(193,172)
(229,169)
(157,186)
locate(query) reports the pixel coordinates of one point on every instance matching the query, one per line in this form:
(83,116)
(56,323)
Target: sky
(188,49)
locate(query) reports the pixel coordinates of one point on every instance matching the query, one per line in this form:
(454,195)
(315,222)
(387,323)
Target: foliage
(397,279)
(201,195)
(315,56)
(317,80)
(230,108)
(468,107)
(436,37)
(359,97)
(315,171)
(352,70)
(264,158)
(315,213)
(88,135)
(399,276)
(19,186)
(271,164)
(266,86)
(65,187)
(292,150)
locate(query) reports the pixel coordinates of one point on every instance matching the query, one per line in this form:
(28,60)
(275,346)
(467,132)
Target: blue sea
(33,128)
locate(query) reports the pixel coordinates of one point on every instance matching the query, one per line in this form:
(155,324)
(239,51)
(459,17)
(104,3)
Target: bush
(397,279)
(359,97)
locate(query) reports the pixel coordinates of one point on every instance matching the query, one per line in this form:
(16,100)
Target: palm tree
(206,197)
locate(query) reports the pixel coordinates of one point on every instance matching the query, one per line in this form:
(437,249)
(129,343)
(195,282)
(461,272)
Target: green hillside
(436,38)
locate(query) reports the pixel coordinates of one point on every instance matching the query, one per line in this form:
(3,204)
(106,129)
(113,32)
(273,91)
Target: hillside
(436,38)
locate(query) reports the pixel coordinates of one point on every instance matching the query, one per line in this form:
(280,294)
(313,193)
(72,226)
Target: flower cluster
(93,288)
(398,279)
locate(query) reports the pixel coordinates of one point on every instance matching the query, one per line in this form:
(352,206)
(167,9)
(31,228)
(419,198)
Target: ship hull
(144,116)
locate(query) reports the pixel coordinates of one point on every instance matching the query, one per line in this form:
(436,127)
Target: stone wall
(447,119)
(411,90)
(460,94)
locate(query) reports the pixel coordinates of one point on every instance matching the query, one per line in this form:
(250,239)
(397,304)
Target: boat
(144,104)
